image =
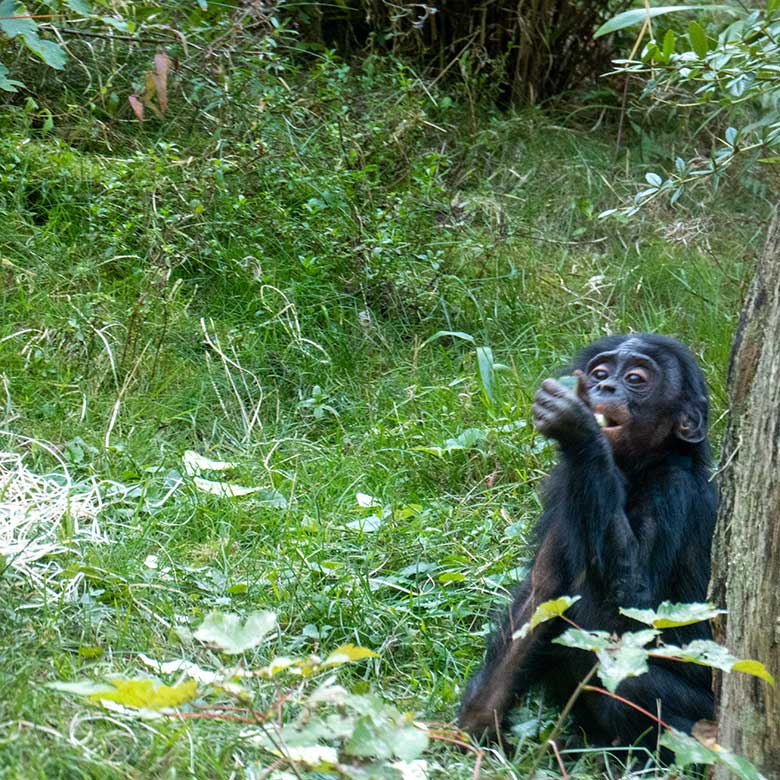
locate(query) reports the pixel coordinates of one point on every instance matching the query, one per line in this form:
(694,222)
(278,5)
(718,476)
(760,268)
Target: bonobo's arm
(513,662)
(589,492)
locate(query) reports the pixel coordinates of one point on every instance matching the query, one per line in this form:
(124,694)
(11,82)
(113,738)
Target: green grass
(320,241)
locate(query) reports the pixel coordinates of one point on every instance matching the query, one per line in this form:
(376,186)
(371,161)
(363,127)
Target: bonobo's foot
(481,722)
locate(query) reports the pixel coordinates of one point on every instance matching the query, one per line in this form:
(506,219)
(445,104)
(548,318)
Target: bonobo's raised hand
(564,415)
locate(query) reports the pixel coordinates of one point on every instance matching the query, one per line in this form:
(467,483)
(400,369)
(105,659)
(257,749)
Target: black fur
(624,524)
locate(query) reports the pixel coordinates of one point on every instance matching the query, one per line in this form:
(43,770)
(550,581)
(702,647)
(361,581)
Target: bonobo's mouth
(611,418)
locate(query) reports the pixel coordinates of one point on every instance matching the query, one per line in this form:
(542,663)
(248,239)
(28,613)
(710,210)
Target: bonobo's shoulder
(674,471)
(679,464)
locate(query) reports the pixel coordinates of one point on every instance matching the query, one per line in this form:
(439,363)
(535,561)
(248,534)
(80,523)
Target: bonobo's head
(650,392)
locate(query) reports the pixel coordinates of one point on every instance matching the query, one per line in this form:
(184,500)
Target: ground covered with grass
(346,284)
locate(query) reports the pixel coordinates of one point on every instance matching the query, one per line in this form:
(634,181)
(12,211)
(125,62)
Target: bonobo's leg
(511,665)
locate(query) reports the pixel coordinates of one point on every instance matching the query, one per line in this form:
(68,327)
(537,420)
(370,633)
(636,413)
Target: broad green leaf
(195,463)
(223,489)
(148,694)
(13,21)
(79,6)
(50,52)
(698,39)
(615,664)
(468,439)
(654,179)
(668,44)
(451,576)
(756,668)
(638,15)
(224,631)
(278,665)
(6,84)
(708,653)
(584,640)
(670,615)
(620,657)
(386,734)
(347,653)
(91,652)
(315,757)
(551,609)
(688,750)
(548,610)
(80,687)
(365,524)
(408,741)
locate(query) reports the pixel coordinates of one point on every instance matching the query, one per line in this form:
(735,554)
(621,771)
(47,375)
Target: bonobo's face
(636,395)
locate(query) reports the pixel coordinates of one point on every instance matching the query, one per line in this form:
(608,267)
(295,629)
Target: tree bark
(746,550)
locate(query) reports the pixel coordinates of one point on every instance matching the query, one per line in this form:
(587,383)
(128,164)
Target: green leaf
(138,694)
(91,652)
(669,615)
(570,382)
(756,668)
(50,52)
(486,367)
(451,576)
(638,15)
(347,653)
(698,39)
(618,658)
(79,6)
(708,653)
(654,179)
(79,687)
(548,610)
(668,45)
(621,662)
(13,21)
(584,640)
(6,84)
(223,630)
(455,334)
(688,750)
(148,694)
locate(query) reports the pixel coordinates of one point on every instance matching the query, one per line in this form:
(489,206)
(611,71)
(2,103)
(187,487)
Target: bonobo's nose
(607,387)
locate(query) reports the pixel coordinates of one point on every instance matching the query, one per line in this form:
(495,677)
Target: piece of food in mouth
(600,419)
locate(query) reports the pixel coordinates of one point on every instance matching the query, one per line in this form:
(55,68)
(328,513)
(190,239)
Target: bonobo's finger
(582,387)
(554,387)
(546,400)
(541,422)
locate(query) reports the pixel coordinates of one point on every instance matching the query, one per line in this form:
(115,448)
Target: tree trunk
(746,551)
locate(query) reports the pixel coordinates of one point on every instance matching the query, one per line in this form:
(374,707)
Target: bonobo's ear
(691,426)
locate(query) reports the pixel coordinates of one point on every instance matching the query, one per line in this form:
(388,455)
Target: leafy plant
(628,655)
(315,726)
(733,68)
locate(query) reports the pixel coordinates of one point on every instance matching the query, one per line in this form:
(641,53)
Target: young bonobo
(628,520)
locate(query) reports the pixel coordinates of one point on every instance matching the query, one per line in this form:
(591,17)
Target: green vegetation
(348,283)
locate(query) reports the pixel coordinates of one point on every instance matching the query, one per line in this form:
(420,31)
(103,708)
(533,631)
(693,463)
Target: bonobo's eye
(636,376)
(600,373)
